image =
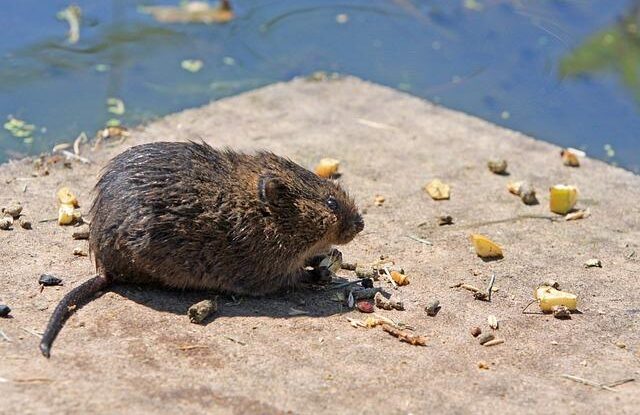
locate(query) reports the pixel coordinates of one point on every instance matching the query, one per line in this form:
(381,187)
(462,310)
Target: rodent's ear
(271,189)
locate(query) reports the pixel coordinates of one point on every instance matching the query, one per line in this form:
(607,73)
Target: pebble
(432,308)
(483,365)
(497,166)
(6,222)
(593,263)
(200,311)
(487,337)
(476,331)
(445,220)
(25,224)
(79,252)
(4,310)
(81,233)
(13,210)
(621,345)
(49,280)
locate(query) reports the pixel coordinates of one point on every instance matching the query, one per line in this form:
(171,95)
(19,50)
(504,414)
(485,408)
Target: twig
(588,382)
(422,241)
(47,220)
(404,336)
(4,336)
(619,382)
(524,310)
(490,288)
(241,343)
(33,380)
(33,332)
(73,156)
(388,274)
(192,346)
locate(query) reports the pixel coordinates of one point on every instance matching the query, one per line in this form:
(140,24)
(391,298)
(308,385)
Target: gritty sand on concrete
(133,350)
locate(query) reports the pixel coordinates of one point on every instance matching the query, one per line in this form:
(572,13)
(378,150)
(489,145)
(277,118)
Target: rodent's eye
(332,203)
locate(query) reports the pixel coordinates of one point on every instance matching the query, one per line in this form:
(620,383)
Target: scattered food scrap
(438,190)
(492,321)
(79,252)
(327,168)
(560,312)
(562,198)
(569,158)
(525,190)
(405,336)
(81,233)
(67,212)
(365,306)
(485,248)
(475,331)
(399,278)
(493,342)
(200,311)
(379,200)
(387,303)
(483,365)
(25,223)
(548,297)
(497,166)
(579,214)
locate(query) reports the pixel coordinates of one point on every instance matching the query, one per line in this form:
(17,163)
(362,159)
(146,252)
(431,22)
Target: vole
(185,215)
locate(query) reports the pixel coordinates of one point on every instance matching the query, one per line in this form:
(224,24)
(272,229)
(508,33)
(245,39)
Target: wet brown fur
(185,215)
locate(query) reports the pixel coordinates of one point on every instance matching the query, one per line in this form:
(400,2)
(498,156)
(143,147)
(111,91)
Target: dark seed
(4,310)
(367,283)
(48,280)
(364,306)
(476,331)
(432,308)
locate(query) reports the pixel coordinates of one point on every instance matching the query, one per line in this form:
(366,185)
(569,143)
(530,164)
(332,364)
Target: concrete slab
(130,351)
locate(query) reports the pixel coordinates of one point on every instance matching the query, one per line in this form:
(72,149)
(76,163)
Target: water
(563,71)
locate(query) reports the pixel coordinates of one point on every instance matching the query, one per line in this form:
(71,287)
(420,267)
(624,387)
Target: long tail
(74,298)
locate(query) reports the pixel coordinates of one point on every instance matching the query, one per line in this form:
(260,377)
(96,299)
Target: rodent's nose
(358,223)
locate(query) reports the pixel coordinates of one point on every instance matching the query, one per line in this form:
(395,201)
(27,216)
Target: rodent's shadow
(310,301)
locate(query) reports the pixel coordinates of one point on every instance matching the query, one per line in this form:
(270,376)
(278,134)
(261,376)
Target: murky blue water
(563,71)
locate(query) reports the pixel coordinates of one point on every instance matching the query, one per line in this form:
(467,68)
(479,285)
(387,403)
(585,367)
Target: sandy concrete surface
(133,350)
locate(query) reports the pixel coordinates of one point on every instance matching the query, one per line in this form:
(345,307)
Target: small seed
(6,222)
(483,365)
(497,166)
(493,321)
(364,306)
(13,210)
(493,342)
(476,331)
(593,263)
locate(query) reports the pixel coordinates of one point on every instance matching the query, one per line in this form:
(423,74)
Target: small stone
(476,331)
(200,311)
(561,312)
(4,310)
(497,166)
(432,308)
(79,252)
(379,200)
(6,222)
(593,263)
(483,365)
(621,345)
(13,210)
(554,343)
(49,280)
(364,306)
(81,233)
(487,337)
(25,224)
(445,220)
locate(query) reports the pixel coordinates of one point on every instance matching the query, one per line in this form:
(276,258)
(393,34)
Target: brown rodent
(187,216)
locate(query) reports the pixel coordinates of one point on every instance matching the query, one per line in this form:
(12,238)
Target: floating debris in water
(72,15)
(191,12)
(192,65)
(115,106)
(20,129)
